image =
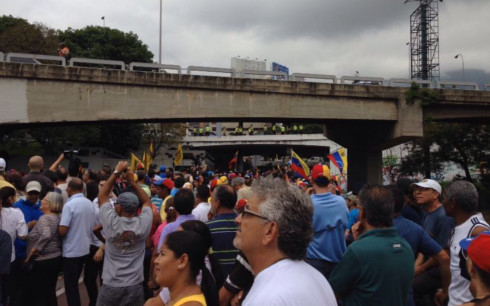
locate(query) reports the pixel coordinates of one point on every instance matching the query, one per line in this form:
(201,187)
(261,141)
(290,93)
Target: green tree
(105,43)
(17,35)
(163,135)
(463,144)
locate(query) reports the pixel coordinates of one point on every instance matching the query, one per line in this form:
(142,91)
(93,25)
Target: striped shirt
(223,230)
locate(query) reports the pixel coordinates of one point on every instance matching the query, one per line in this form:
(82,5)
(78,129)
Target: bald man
(36,164)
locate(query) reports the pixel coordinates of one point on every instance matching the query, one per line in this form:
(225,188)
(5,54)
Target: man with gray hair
(460,200)
(125,235)
(242,190)
(274,231)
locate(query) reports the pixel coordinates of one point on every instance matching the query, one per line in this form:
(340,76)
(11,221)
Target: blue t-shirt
(31,213)
(438,226)
(353,217)
(415,235)
(330,217)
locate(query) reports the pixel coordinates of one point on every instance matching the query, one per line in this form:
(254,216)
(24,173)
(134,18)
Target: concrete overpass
(365,119)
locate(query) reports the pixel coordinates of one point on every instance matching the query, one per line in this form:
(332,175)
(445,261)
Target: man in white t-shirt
(202,208)
(460,201)
(274,231)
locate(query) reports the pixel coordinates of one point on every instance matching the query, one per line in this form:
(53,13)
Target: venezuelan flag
(298,165)
(339,159)
(233,160)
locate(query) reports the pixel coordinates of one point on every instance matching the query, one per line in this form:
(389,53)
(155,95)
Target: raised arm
(105,191)
(142,196)
(57,162)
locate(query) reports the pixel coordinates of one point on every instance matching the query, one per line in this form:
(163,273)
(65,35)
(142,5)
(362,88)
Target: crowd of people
(194,237)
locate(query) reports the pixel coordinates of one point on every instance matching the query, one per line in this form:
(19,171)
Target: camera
(69,154)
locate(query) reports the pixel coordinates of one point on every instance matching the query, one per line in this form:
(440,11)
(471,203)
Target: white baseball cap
(3,164)
(33,186)
(428,183)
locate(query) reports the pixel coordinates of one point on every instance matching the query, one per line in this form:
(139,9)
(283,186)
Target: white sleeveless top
(459,291)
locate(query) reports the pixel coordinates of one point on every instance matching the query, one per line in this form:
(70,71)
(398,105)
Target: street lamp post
(409,59)
(160,36)
(462,61)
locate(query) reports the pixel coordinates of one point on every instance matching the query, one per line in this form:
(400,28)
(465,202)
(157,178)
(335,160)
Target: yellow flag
(179,155)
(134,162)
(147,161)
(151,151)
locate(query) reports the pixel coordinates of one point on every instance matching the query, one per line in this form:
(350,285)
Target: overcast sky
(309,36)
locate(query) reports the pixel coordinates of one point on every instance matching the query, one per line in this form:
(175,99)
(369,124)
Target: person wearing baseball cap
(330,212)
(477,251)
(3,182)
(164,187)
(125,234)
(427,194)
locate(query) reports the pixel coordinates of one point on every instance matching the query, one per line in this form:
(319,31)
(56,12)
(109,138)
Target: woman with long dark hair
(11,221)
(211,262)
(179,261)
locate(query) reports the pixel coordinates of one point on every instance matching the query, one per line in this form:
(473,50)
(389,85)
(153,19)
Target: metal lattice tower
(424,41)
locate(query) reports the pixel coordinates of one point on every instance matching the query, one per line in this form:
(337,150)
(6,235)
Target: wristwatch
(117,173)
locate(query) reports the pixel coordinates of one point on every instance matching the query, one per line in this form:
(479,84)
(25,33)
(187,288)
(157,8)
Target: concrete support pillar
(364,167)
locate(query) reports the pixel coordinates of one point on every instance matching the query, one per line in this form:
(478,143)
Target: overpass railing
(274,75)
(12,56)
(91,61)
(160,67)
(428,83)
(211,69)
(303,76)
(454,84)
(361,79)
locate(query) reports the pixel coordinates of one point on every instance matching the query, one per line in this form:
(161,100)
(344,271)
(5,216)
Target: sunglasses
(248,211)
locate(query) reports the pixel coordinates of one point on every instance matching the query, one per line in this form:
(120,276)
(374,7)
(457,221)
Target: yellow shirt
(163,214)
(192,298)
(4,183)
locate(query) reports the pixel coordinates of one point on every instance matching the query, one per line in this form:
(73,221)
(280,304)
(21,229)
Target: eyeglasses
(421,189)
(248,211)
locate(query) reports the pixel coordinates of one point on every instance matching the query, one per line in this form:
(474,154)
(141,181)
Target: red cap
(166,182)
(240,205)
(478,250)
(320,170)
(213,183)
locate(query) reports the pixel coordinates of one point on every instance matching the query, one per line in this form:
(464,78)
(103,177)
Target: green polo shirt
(375,270)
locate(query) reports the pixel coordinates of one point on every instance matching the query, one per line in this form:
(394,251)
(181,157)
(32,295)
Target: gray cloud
(317,36)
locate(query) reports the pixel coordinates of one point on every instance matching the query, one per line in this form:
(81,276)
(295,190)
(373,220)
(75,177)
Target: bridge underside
(364,119)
